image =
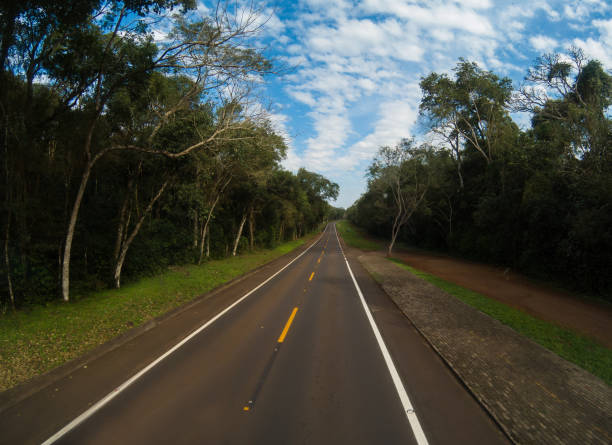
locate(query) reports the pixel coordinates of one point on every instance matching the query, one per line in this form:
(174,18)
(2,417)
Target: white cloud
(581,9)
(358,64)
(364,37)
(599,48)
(449,15)
(596,49)
(543,43)
(302,96)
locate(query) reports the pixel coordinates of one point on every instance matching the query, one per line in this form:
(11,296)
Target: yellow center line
(287,326)
(311,276)
(319,260)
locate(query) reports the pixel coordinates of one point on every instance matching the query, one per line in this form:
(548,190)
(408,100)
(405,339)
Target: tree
(571,95)
(400,171)
(467,112)
(208,50)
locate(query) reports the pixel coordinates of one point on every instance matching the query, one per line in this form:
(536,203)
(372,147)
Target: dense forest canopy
(538,200)
(122,154)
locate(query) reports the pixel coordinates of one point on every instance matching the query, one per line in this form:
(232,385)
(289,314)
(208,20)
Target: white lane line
(397,381)
(80,419)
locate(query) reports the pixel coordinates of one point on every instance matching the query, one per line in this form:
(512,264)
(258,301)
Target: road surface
(297,361)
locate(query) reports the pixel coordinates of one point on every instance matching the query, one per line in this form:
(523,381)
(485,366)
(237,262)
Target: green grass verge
(355,237)
(584,352)
(41,338)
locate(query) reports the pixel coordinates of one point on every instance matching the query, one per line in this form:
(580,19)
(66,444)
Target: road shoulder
(534,395)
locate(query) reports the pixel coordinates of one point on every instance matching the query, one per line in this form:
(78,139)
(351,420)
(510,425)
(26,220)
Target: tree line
(537,200)
(122,154)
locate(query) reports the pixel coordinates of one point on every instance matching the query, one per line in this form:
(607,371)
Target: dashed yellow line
(287,326)
(311,276)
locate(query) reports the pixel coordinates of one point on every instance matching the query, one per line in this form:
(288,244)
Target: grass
(355,237)
(584,352)
(41,338)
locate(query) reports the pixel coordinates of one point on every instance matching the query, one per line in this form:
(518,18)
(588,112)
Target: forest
(122,155)
(537,200)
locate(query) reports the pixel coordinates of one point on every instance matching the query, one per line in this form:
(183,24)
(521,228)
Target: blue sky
(356,66)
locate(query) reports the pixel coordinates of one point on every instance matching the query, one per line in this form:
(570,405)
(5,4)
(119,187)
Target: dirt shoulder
(533,394)
(586,317)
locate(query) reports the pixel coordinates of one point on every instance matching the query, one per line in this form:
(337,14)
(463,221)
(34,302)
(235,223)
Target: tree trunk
(70,232)
(124,222)
(204,230)
(7,260)
(455,147)
(239,234)
(251,229)
(9,215)
(208,241)
(394,231)
(195,229)
(76,207)
(128,241)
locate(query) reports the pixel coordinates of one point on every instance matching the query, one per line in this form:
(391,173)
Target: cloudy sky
(356,66)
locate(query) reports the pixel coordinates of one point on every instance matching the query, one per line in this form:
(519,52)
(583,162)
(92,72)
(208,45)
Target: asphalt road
(295,362)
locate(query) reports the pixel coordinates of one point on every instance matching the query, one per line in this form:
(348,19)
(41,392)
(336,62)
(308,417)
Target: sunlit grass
(583,351)
(41,338)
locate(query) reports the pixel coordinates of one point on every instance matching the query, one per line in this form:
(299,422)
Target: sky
(352,68)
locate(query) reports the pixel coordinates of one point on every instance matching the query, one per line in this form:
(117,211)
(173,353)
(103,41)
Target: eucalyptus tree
(570,94)
(469,112)
(257,158)
(400,173)
(213,51)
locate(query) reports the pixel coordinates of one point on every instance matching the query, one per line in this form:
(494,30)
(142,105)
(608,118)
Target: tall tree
(400,171)
(207,50)
(468,112)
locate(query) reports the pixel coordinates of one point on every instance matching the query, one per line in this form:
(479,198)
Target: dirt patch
(589,318)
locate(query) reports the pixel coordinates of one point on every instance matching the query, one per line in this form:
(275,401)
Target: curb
(22,391)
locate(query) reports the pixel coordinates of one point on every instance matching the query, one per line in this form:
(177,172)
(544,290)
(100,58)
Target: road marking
(419,435)
(311,276)
(110,396)
(287,326)
(319,260)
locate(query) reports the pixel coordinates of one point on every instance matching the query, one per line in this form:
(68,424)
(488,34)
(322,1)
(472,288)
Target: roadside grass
(40,338)
(580,350)
(355,237)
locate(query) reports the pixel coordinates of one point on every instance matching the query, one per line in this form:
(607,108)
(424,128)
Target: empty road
(299,360)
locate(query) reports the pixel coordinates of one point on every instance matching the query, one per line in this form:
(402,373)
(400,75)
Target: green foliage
(584,352)
(539,201)
(167,162)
